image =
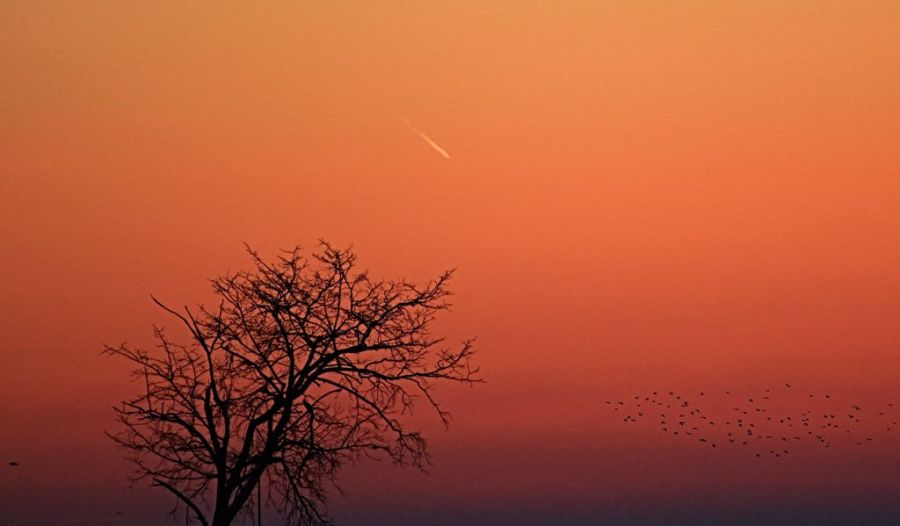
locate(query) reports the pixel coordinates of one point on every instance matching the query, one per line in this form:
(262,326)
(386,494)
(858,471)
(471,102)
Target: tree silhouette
(303,366)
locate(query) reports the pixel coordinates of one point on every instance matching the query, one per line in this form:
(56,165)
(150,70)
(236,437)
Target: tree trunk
(221,519)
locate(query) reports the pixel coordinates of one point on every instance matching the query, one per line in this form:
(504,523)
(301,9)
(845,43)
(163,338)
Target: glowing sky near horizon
(643,195)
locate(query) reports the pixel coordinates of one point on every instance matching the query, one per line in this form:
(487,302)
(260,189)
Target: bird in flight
(13,463)
(435,146)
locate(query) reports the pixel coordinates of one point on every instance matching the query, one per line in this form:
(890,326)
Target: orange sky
(639,194)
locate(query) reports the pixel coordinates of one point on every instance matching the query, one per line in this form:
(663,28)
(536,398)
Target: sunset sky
(637,196)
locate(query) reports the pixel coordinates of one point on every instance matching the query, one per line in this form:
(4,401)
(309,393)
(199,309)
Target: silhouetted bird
(13,463)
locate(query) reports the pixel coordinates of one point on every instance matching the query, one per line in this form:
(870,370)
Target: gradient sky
(640,195)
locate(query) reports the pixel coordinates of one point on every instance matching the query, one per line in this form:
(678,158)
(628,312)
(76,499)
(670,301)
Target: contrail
(427,139)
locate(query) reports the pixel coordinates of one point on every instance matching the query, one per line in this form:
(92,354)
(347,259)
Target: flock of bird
(771,423)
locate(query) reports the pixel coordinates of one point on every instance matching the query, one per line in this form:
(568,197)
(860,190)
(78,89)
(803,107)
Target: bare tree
(304,365)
